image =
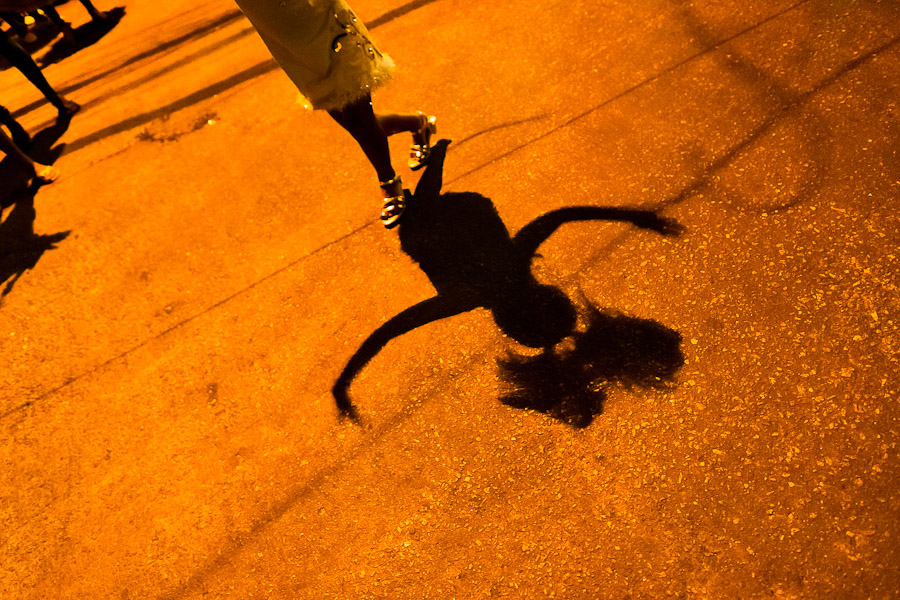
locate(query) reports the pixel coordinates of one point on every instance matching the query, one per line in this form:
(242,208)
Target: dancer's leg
(393,124)
(360,121)
(20,59)
(66,28)
(422,128)
(19,135)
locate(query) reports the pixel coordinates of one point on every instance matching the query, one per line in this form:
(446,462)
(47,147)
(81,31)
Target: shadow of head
(570,381)
(538,316)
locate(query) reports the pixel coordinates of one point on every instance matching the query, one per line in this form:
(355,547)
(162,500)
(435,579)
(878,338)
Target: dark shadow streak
(398,12)
(198,96)
(187,60)
(764,127)
(633,88)
(86,35)
(462,245)
(456,145)
(160,49)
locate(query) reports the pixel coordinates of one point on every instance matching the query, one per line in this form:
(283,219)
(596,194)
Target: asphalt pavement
(637,337)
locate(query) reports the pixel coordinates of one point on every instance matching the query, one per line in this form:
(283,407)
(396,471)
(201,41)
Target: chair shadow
(86,35)
(465,249)
(20,247)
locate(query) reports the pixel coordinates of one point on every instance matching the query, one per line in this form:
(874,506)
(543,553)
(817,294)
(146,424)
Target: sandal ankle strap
(389,182)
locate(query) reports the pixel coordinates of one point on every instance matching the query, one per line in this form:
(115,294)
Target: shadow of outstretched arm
(415,316)
(535,233)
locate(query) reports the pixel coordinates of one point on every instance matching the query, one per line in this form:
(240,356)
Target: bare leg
(19,135)
(10,149)
(422,128)
(360,121)
(20,59)
(393,124)
(66,28)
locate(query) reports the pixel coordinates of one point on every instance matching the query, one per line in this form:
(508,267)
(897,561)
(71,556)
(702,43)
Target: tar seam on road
(303,490)
(633,88)
(136,121)
(719,163)
(180,324)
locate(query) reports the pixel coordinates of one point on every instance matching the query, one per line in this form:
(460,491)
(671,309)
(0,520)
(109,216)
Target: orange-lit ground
(167,428)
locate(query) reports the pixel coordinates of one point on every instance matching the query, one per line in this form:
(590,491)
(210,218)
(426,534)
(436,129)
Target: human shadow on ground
(20,247)
(86,35)
(462,245)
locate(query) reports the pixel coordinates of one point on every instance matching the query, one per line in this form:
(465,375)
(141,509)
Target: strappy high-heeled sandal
(420,150)
(393,206)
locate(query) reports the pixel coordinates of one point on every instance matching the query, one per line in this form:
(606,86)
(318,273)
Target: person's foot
(43,174)
(99,16)
(67,108)
(394,202)
(420,150)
